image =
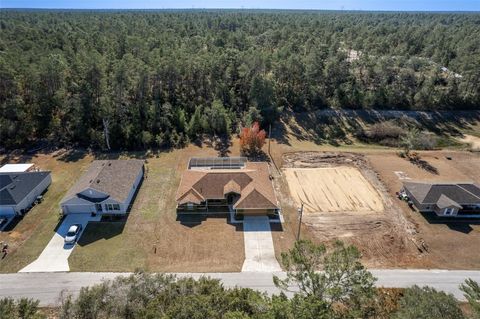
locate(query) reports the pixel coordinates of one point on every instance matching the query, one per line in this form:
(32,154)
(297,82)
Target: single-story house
(445,199)
(107,187)
(244,188)
(19,190)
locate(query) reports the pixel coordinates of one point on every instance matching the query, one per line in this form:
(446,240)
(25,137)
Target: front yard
(151,238)
(29,236)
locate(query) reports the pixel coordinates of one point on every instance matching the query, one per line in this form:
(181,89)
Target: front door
(230,198)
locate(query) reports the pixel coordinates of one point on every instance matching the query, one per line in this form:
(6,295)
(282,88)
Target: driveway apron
(54,257)
(259,250)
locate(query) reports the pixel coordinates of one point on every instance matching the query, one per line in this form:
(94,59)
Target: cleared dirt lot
(335,189)
(366,216)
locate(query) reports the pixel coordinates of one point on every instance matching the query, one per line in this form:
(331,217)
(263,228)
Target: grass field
(151,238)
(30,235)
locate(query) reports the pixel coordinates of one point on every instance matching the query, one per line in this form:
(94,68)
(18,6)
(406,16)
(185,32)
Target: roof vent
(12,187)
(109,164)
(98,181)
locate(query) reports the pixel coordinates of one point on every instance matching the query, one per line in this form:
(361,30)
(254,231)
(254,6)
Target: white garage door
(7,210)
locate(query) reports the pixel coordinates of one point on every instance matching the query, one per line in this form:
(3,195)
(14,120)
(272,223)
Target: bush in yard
(427,303)
(471,290)
(344,288)
(384,133)
(24,308)
(415,139)
(252,139)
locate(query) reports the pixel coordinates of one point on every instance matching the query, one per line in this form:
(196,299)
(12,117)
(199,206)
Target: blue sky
(395,5)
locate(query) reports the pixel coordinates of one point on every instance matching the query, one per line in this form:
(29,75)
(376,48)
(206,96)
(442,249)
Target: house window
(98,207)
(448,211)
(109,206)
(189,206)
(116,207)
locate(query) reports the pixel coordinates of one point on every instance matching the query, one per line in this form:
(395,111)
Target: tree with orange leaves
(252,139)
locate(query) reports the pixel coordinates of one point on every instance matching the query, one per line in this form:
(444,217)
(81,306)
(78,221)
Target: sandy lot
(334,189)
(350,204)
(473,141)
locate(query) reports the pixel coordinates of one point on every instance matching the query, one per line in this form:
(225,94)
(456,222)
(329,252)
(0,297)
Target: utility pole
(269,136)
(300,212)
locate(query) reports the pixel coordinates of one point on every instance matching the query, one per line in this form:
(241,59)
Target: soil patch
(347,201)
(335,189)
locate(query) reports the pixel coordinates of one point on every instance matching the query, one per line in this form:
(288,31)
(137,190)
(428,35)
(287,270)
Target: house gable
(93,195)
(254,199)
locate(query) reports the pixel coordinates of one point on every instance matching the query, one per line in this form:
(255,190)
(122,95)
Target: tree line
(139,79)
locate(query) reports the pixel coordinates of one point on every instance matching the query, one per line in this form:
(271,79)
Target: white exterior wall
(78,209)
(124,206)
(32,196)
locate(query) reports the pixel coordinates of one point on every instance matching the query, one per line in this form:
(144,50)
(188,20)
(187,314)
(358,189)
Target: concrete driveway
(55,255)
(259,250)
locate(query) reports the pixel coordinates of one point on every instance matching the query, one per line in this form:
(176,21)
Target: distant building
(107,187)
(19,190)
(445,199)
(226,185)
(17,168)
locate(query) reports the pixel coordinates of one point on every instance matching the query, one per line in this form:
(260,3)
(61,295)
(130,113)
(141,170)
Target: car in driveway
(72,235)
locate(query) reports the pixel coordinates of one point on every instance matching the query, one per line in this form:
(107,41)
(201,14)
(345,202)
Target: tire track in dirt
(385,238)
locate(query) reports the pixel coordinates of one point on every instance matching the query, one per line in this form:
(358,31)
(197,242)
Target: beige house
(245,189)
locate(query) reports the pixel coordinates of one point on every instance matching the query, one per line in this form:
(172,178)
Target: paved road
(259,250)
(54,256)
(46,287)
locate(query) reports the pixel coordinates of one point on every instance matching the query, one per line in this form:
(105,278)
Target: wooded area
(138,79)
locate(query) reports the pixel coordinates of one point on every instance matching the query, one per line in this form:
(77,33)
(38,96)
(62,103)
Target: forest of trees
(140,79)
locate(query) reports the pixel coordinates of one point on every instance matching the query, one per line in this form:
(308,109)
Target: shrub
(384,133)
(426,303)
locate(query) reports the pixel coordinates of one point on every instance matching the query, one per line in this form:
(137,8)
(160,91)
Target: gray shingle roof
(461,193)
(15,186)
(113,177)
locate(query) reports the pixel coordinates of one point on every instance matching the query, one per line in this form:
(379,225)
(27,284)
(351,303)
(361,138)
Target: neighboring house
(245,188)
(17,168)
(107,187)
(19,190)
(445,199)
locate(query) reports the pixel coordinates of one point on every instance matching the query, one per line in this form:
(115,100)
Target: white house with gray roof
(445,199)
(107,187)
(19,190)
